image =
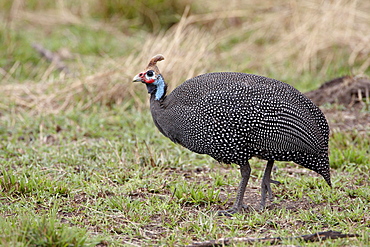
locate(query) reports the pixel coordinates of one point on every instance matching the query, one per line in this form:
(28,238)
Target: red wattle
(149,81)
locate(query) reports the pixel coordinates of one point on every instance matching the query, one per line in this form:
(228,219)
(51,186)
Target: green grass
(24,230)
(121,181)
(98,172)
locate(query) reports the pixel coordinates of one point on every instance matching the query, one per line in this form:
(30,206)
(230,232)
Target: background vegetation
(81,161)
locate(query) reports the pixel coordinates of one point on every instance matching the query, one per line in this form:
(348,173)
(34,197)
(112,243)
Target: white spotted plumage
(235,116)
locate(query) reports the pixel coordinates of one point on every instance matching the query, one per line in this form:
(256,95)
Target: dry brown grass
(310,34)
(288,38)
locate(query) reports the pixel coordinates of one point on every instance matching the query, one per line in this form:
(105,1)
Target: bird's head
(151,74)
(153,78)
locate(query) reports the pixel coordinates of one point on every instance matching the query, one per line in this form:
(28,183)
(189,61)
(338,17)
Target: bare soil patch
(352,94)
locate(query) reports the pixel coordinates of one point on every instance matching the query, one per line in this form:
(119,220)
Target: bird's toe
(231,211)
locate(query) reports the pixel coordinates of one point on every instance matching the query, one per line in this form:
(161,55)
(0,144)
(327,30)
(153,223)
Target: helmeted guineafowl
(236,116)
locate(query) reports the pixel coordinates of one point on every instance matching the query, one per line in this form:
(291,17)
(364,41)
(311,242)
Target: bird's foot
(262,207)
(266,191)
(229,212)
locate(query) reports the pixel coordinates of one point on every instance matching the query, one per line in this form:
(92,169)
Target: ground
(82,163)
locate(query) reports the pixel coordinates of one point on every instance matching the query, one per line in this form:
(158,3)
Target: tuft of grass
(22,184)
(24,230)
(344,151)
(152,15)
(196,194)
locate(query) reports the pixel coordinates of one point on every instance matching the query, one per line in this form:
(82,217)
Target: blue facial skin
(158,86)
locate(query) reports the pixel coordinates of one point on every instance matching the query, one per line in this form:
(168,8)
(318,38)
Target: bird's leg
(265,185)
(245,171)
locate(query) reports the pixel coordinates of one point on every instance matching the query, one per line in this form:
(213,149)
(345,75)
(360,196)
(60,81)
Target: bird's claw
(229,212)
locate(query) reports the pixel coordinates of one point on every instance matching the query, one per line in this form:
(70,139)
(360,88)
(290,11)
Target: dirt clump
(346,90)
(349,97)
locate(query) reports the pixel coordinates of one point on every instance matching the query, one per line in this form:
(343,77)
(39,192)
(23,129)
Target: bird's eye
(150,73)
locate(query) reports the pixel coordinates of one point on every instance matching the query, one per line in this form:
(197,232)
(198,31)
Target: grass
(82,163)
(127,184)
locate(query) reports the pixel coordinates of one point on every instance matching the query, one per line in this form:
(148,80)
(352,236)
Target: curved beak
(137,78)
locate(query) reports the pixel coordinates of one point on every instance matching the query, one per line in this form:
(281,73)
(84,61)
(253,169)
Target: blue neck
(161,87)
